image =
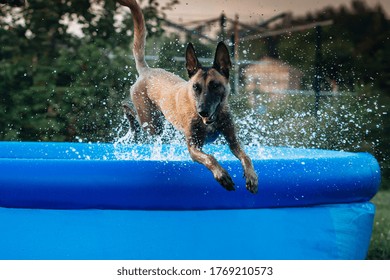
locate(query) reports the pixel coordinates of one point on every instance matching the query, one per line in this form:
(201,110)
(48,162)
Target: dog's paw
(225,180)
(251,181)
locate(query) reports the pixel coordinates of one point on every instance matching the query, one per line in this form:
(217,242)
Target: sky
(254,10)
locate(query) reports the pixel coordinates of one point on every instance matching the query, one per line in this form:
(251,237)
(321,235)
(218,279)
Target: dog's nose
(203,114)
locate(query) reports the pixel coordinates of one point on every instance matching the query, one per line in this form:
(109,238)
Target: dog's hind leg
(131,115)
(148,114)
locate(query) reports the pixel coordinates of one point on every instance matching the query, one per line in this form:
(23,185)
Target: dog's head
(210,85)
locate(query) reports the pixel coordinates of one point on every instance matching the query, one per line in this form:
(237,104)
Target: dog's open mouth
(209,120)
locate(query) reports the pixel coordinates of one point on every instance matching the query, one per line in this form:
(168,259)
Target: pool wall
(101,201)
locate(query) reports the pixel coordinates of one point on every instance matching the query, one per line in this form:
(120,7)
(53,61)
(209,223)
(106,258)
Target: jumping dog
(197,107)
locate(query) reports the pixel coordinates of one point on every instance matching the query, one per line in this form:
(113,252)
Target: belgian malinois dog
(197,107)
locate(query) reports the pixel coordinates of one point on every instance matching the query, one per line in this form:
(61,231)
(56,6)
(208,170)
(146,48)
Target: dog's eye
(197,87)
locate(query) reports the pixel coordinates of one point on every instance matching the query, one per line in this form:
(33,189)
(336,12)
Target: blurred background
(312,74)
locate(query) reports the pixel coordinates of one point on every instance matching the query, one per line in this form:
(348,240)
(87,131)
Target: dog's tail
(139,33)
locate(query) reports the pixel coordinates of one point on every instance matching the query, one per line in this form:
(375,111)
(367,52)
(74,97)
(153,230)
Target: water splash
(346,120)
(169,146)
(343,122)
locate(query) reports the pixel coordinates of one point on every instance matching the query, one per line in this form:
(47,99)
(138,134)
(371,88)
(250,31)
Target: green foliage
(380,240)
(56,86)
(95,83)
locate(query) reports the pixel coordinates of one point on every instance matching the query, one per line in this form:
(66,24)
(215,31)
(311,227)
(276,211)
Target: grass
(380,240)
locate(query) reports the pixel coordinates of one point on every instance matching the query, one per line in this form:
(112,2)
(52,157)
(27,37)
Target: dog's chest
(211,133)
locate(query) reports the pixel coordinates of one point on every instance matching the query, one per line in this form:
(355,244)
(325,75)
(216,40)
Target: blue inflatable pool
(106,201)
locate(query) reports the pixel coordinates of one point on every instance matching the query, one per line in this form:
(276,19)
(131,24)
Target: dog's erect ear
(192,62)
(222,61)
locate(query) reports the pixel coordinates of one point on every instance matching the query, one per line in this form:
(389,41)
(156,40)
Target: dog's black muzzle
(208,118)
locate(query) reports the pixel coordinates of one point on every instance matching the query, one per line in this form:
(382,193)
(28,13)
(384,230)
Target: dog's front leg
(220,174)
(249,172)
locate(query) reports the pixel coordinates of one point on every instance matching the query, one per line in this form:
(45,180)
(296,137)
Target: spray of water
(344,122)
(167,146)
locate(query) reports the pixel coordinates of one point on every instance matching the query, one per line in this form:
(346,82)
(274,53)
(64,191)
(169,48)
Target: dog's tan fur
(197,107)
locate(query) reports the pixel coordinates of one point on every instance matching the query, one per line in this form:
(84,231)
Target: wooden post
(318,70)
(236,56)
(222,23)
